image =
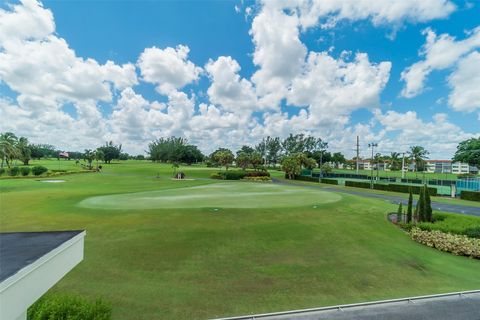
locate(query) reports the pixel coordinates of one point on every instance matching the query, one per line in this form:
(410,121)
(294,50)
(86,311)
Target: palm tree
(24,152)
(418,154)
(395,161)
(8,147)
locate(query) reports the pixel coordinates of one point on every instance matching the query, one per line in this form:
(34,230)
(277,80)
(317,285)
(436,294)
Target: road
(458,306)
(439,206)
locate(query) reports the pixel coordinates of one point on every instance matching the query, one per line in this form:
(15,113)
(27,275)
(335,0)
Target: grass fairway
(266,249)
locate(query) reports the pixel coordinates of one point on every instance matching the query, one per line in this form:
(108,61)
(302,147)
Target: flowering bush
(459,245)
(264,178)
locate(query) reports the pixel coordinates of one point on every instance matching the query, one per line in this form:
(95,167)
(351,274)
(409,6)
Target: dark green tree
(338,158)
(409,207)
(428,206)
(110,151)
(468,151)
(400,213)
(421,206)
(246,149)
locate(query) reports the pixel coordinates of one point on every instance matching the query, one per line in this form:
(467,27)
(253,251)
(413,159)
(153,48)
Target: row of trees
(423,210)
(175,150)
(12,147)
(18,148)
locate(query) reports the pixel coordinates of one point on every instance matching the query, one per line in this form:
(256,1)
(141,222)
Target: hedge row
(329,181)
(24,171)
(390,187)
(306,178)
(470,195)
(237,175)
(315,179)
(459,245)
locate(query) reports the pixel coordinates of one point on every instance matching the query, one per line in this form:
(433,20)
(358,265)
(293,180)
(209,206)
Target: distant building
(364,165)
(448,166)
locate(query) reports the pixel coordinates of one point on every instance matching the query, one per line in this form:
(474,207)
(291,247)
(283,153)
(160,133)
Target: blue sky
(438,109)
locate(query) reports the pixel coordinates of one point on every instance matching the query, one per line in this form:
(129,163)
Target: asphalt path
(439,206)
(458,306)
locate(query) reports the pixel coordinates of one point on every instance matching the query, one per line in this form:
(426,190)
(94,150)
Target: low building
(448,166)
(33,262)
(364,165)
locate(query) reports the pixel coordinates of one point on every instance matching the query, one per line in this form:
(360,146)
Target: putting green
(217,195)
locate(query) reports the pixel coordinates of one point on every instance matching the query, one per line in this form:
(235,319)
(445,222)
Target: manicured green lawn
(252,255)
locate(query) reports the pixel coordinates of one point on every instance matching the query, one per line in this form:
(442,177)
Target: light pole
(372,145)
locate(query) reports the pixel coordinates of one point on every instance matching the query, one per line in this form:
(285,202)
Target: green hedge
(306,178)
(329,181)
(390,187)
(470,195)
(357,184)
(238,174)
(315,179)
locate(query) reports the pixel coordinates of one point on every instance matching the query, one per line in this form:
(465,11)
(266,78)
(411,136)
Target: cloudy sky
(220,73)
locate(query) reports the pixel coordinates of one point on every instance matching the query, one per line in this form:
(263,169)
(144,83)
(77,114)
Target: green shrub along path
(257,253)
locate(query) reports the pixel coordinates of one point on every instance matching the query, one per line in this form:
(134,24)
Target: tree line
(19,148)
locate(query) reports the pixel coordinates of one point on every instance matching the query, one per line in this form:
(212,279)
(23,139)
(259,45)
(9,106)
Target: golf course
(199,248)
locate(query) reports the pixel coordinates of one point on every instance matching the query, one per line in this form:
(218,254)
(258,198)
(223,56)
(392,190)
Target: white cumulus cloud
(168,68)
(440,52)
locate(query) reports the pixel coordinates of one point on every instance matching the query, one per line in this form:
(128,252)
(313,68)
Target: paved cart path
(440,206)
(458,306)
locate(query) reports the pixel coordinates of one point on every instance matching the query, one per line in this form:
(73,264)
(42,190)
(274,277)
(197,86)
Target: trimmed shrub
(38,170)
(329,181)
(470,195)
(459,245)
(473,232)
(306,178)
(2,171)
(229,175)
(68,307)
(14,171)
(357,184)
(25,171)
(257,174)
(216,176)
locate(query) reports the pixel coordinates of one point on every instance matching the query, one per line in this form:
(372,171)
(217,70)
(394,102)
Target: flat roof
(19,249)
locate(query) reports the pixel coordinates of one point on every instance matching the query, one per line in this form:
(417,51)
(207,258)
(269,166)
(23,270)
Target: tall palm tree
(395,161)
(24,152)
(8,147)
(418,154)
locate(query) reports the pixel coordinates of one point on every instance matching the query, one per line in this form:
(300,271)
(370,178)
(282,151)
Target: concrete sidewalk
(458,306)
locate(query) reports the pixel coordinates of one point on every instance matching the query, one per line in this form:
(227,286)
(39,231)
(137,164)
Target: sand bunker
(52,181)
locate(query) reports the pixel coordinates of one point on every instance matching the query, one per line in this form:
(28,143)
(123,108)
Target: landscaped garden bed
(456,234)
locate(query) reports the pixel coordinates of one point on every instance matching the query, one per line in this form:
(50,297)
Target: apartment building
(447,166)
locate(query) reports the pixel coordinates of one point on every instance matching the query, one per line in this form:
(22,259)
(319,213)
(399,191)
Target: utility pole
(403,165)
(371,145)
(358,153)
